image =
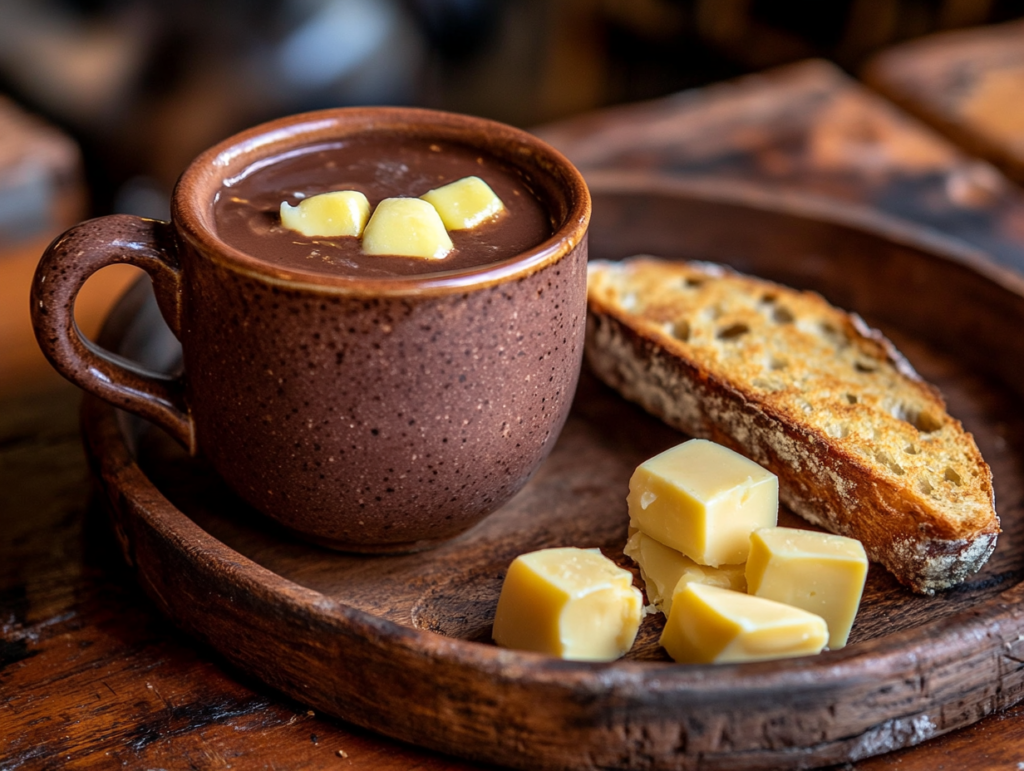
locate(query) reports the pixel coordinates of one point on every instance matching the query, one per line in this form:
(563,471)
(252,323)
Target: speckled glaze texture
(381,422)
(373,415)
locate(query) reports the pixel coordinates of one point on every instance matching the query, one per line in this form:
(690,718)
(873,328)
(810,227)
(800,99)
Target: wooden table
(969,84)
(91,676)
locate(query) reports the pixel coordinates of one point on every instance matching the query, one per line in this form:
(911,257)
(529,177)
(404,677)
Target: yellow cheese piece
(340,213)
(406,227)
(568,602)
(819,572)
(704,500)
(465,203)
(710,625)
(664,569)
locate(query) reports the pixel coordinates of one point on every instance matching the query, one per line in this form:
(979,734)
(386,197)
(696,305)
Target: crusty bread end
(861,445)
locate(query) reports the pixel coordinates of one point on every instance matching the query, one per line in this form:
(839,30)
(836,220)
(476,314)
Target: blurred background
(104,102)
(142,86)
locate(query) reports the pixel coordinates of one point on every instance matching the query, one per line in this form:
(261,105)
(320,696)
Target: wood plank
(968,84)
(811,132)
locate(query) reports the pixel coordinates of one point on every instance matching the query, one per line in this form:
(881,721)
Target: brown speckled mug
(372,415)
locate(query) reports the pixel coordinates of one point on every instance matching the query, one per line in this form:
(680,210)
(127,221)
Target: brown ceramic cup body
(366,414)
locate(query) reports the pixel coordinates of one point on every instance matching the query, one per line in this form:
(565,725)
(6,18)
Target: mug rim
(192,201)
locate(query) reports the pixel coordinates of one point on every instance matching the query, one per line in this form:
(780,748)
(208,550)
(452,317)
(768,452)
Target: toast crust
(861,445)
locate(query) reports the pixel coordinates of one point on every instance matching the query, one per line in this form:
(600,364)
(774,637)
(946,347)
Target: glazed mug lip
(192,202)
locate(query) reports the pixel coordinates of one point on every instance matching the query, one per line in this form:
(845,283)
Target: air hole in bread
(887,460)
(863,366)
(831,332)
(920,419)
(926,423)
(851,398)
(911,449)
(776,363)
(838,430)
(924,486)
(768,299)
(692,283)
(680,330)
(951,476)
(733,331)
(783,315)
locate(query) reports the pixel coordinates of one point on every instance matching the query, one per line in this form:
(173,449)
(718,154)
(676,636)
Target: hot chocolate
(246,209)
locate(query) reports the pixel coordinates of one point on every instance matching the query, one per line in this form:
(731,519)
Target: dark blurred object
(145,85)
(42,192)
(41,185)
(969,84)
(458,29)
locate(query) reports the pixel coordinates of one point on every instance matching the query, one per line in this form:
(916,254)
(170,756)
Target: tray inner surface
(578,498)
(916,665)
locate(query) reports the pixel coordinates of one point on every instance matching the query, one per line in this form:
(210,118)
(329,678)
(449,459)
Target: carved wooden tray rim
(587,715)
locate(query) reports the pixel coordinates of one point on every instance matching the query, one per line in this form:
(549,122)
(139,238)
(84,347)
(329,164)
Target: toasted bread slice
(861,444)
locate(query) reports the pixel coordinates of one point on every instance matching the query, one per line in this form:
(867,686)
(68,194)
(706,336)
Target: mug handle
(63,270)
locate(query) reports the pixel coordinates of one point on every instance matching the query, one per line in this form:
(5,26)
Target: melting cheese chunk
(568,602)
(819,572)
(710,625)
(406,227)
(465,203)
(703,500)
(340,213)
(664,569)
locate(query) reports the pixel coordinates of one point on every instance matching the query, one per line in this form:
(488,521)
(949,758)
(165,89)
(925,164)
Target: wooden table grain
(92,677)
(969,84)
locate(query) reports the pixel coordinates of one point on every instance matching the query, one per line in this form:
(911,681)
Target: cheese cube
(710,625)
(819,572)
(465,203)
(568,602)
(704,500)
(664,569)
(406,227)
(339,213)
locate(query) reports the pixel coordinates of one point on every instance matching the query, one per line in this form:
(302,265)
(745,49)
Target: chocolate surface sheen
(246,209)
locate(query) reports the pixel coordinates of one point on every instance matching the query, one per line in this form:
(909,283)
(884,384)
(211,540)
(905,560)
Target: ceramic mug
(366,414)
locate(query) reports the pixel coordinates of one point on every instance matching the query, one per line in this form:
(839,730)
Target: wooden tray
(401,644)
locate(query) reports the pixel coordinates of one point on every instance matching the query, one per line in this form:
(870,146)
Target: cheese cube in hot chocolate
(709,625)
(663,570)
(338,213)
(819,572)
(568,602)
(704,500)
(406,227)
(465,203)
